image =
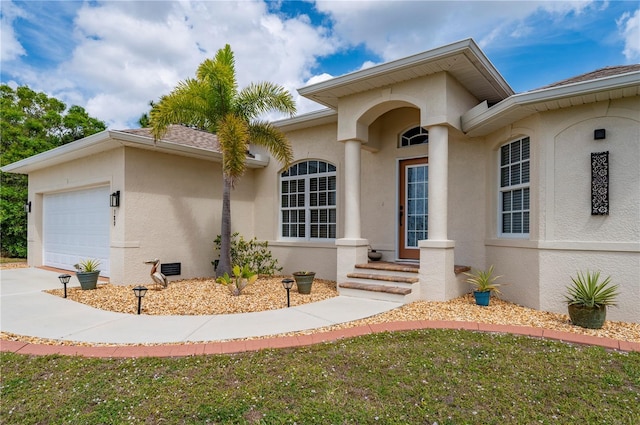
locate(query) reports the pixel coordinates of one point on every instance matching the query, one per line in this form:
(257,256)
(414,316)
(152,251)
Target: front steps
(385,281)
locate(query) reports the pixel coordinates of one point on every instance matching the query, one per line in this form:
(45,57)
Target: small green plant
(483,281)
(242,277)
(588,291)
(252,253)
(87,266)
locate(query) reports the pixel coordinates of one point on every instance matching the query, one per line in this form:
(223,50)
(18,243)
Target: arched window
(308,201)
(414,136)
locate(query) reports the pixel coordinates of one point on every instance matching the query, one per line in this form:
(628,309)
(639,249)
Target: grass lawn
(417,377)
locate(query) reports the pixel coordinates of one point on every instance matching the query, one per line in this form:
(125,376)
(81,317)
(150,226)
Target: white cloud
(10,47)
(395,29)
(113,57)
(629,26)
(128,53)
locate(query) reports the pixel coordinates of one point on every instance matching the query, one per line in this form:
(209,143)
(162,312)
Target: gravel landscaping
(204,297)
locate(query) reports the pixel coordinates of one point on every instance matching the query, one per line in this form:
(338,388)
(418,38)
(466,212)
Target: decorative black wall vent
(600,183)
(170,269)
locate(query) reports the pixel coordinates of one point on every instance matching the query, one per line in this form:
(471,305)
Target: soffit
(463,60)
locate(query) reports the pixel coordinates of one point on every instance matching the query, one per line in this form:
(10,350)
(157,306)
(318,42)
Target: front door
(413,208)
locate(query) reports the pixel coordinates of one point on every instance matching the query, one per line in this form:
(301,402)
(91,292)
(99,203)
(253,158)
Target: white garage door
(76,227)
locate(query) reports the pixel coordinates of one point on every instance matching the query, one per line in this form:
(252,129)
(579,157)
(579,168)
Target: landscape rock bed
(205,297)
(194,297)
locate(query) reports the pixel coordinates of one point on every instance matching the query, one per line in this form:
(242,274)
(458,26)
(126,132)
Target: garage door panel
(76,226)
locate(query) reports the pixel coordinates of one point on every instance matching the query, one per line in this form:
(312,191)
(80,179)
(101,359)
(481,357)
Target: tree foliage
(31,123)
(212,102)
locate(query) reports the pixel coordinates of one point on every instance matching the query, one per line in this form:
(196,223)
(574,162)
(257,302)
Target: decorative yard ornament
(158,277)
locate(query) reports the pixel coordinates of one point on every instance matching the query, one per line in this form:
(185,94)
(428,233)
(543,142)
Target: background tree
(212,102)
(31,123)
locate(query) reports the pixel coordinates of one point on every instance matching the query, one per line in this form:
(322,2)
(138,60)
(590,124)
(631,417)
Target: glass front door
(414,206)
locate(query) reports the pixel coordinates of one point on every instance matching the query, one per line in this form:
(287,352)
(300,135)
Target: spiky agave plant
(483,281)
(588,291)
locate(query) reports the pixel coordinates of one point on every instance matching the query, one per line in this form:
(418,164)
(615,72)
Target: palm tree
(212,102)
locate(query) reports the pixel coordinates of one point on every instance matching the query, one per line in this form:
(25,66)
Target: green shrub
(242,277)
(252,253)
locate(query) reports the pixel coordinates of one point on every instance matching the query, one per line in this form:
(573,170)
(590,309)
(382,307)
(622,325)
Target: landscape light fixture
(288,283)
(27,207)
(64,279)
(114,199)
(140,292)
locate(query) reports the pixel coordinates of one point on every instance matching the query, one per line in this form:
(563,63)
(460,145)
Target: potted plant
(87,272)
(304,279)
(242,277)
(483,283)
(374,255)
(588,298)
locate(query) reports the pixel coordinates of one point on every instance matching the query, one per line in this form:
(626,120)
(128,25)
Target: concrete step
(375,291)
(385,281)
(386,278)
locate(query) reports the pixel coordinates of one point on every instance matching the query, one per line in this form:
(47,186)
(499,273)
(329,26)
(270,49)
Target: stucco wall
(467,199)
(558,266)
(173,208)
(103,169)
(565,237)
(313,143)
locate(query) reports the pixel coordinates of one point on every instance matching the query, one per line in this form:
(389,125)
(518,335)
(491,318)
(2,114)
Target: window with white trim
(308,201)
(514,202)
(414,136)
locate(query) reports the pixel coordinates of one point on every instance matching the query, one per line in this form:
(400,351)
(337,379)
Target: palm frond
(187,104)
(263,133)
(259,98)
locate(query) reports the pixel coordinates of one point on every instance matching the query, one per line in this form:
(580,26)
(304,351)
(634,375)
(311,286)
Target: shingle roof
(182,135)
(608,71)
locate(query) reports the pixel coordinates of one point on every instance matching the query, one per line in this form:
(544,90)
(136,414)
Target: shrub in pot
(87,272)
(483,283)
(588,297)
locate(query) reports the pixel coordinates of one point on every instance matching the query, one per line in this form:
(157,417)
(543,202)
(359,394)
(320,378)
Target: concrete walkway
(28,311)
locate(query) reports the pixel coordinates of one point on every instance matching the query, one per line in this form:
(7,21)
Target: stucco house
(432,160)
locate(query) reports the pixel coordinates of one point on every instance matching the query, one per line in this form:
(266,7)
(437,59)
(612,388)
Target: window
(414,136)
(308,201)
(514,204)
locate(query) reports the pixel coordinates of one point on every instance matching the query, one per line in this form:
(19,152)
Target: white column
(438,181)
(352,190)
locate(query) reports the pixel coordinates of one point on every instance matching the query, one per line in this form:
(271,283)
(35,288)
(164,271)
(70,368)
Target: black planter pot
(587,317)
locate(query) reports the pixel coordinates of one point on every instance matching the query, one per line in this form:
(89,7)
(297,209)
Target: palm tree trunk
(225,232)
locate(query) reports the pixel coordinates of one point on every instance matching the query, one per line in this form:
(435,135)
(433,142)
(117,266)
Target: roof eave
(480,121)
(111,139)
(316,92)
(311,119)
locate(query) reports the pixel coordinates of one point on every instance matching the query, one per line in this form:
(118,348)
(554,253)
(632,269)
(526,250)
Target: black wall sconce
(599,134)
(27,207)
(115,199)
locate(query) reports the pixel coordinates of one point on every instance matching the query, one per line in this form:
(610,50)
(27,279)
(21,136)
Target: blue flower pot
(482,298)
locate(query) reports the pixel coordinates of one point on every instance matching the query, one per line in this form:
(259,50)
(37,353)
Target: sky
(114,57)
